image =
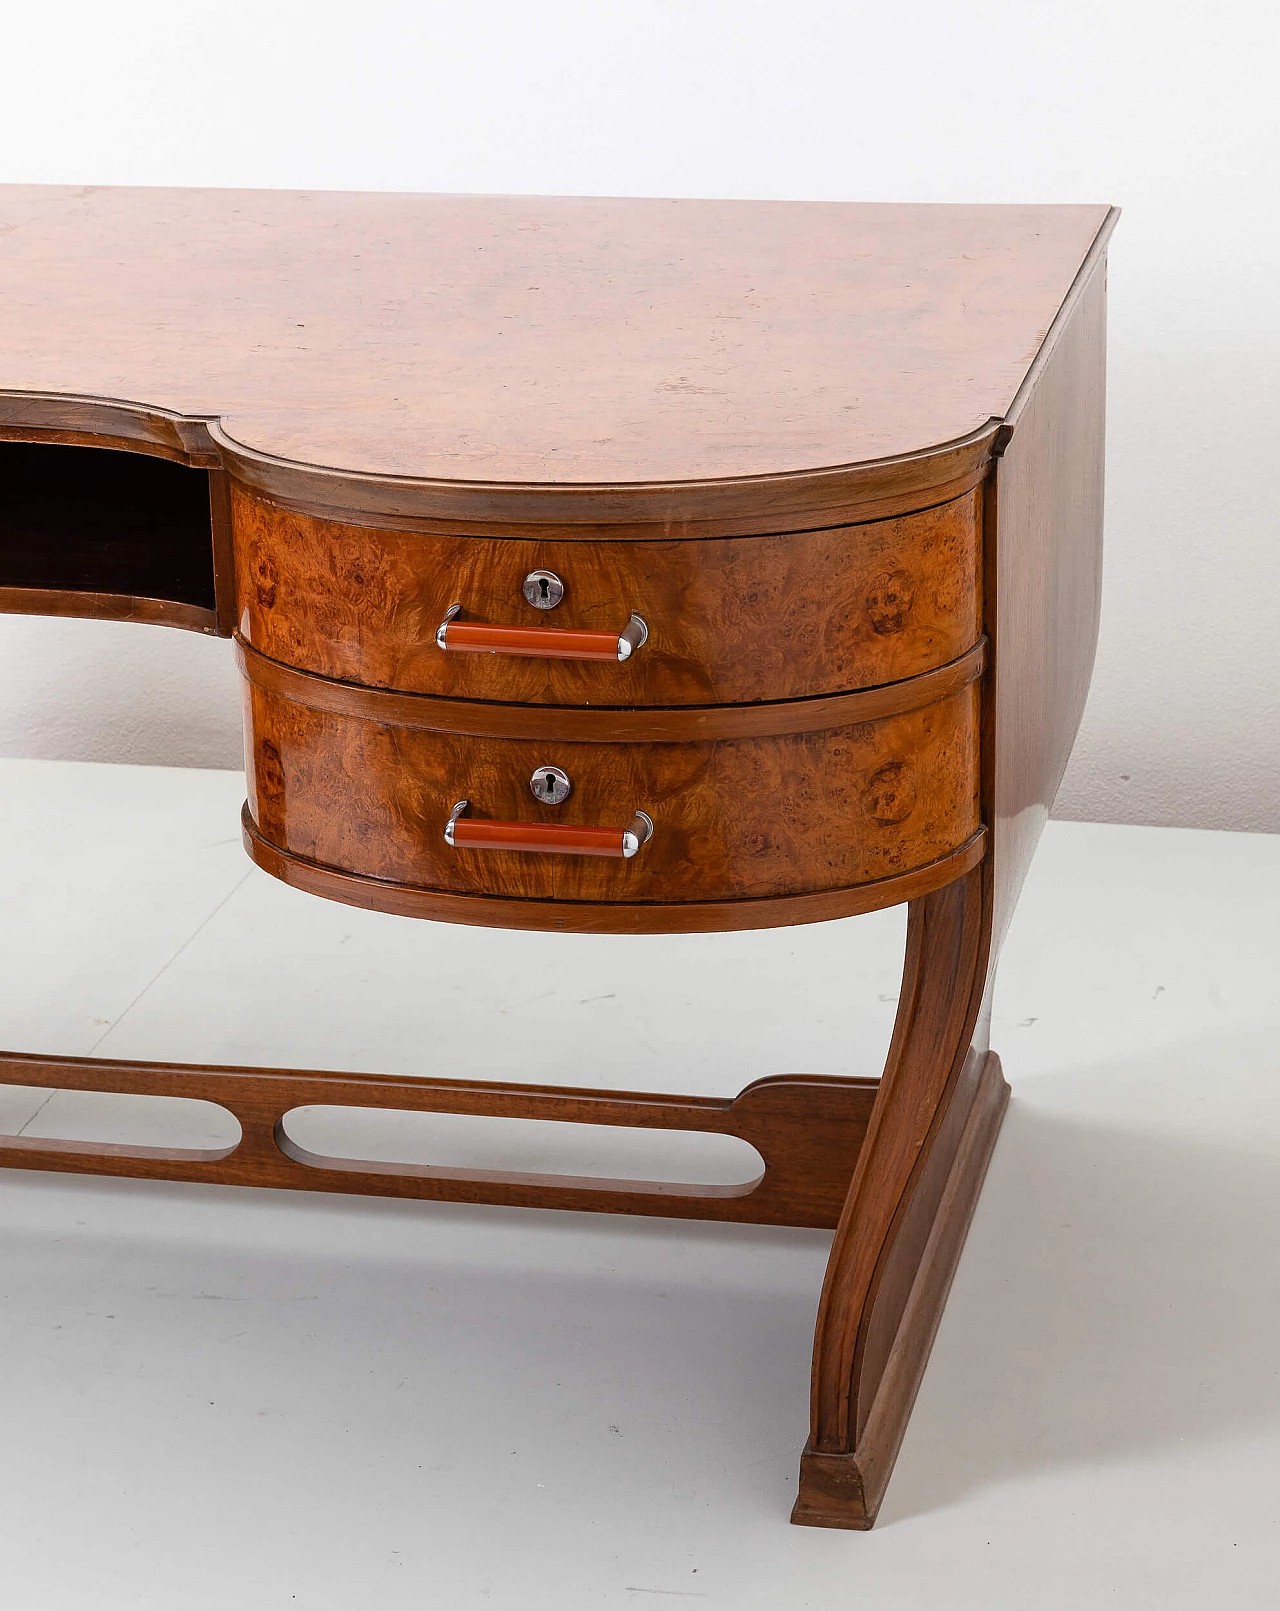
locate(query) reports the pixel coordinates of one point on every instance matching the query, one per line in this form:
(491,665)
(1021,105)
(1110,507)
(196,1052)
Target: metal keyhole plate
(550,785)
(543,589)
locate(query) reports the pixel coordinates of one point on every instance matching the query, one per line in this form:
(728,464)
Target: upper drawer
(730,620)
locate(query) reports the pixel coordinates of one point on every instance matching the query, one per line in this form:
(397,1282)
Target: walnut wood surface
(602,724)
(63,601)
(807,1128)
(787,814)
(527,340)
(821,448)
(943,981)
(224,559)
(1045,552)
(747,506)
(938,1106)
(608,917)
(845,1489)
(948,938)
(730,619)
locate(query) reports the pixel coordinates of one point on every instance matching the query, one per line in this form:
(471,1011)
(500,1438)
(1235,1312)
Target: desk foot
(931,1136)
(845,1490)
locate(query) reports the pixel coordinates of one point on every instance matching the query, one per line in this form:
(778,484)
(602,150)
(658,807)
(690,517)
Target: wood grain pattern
(109,422)
(807,1128)
(735,819)
(602,724)
(822,449)
(1045,553)
(527,340)
(730,620)
(224,558)
(943,980)
(745,506)
(63,601)
(763,506)
(845,1489)
(938,1108)
(608,917)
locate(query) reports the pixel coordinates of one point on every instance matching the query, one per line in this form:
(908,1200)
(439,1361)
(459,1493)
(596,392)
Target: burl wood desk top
(612,565)
(534,341)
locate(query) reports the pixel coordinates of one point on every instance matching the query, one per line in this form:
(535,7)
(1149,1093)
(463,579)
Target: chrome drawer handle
(555,839)
(541,643)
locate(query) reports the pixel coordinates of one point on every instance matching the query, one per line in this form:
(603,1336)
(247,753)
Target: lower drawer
(790,814)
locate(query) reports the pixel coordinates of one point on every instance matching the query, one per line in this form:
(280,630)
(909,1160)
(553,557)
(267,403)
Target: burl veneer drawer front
(729,620)
(733,819)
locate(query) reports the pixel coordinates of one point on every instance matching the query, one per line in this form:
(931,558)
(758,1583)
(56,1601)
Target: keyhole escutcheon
(550,785)
(543,589)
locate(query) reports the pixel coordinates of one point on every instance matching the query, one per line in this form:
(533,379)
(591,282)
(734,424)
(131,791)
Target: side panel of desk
(1044,558)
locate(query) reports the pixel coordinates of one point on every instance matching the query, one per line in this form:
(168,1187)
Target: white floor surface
(269,1400)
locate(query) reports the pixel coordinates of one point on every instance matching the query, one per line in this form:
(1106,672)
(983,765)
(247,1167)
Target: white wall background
(1166,107)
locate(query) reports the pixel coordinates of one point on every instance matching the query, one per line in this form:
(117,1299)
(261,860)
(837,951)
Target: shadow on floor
(1120,1294)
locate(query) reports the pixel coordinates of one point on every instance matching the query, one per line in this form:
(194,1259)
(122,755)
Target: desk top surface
(536,340)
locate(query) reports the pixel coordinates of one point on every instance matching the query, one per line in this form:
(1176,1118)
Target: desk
(631,567)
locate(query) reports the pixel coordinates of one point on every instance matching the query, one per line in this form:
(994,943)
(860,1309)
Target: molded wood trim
(607,917)
(571,724)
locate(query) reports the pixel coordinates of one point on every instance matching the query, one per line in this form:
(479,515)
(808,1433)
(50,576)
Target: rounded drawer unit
(694,621)
(400,808)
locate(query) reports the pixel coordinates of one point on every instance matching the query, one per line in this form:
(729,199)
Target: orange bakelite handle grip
(540,643)
(550,839)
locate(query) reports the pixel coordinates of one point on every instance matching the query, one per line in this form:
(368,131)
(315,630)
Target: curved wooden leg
(934,1123)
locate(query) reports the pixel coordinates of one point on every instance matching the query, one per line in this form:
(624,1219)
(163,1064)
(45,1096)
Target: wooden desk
(620,566)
